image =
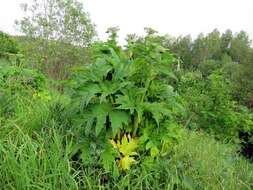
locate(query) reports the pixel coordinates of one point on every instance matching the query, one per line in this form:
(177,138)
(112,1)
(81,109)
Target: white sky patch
(174,17)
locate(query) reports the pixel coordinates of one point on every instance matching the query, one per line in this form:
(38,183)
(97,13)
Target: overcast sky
(174,17)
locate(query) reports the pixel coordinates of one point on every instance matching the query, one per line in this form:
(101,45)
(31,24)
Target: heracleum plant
(124,103)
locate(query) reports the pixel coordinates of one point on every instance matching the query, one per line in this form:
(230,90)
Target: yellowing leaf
(126,162)
(154,152)
(165,149)
(113,144)
(128,146)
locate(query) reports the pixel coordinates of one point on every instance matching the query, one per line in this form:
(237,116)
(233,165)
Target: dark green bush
(17,85)
(7,44)
(210,106)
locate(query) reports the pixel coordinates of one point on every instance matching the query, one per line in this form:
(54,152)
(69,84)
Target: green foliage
(26,101)
(207,67)
(203,163)
(41,162)
(45,161)
(7,45)
(229,51)
(17,78)
(118,95)
(9,50)
(16,83)
(210,106)
(117,124)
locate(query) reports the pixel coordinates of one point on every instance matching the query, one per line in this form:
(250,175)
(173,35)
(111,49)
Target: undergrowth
(45,161)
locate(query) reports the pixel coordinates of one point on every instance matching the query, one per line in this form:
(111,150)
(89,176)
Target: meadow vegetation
(158,113)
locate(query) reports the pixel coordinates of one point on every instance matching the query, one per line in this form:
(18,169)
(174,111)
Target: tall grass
(44,161)
(208,164)
(41,162)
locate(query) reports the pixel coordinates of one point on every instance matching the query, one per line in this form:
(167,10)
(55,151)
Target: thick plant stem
(135,128)
(111,99)
(119,134)
(136,119)
(147,84)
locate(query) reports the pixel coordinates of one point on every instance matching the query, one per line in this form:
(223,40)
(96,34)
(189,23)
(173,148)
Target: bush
(7,44)
(210,106)
(15,83)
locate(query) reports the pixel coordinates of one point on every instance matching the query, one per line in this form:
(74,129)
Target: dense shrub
(210,106)
(19,89)
(7,44)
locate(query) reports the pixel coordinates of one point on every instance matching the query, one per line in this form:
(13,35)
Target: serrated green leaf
(158,110)
(125,103)
(100,70)
(110,87)
(130,100)
(117,119)
(165,70)
(87,92)
(108,159)
(100,112)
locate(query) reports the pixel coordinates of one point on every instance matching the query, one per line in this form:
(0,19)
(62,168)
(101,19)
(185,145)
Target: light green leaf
(154,152)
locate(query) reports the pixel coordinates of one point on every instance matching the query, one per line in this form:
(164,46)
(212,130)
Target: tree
(60,20)
(240,50)
(214,45)
(56,31)
(182,47)
(226,39)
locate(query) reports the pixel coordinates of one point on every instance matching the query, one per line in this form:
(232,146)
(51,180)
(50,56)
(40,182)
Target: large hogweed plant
(126,103)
